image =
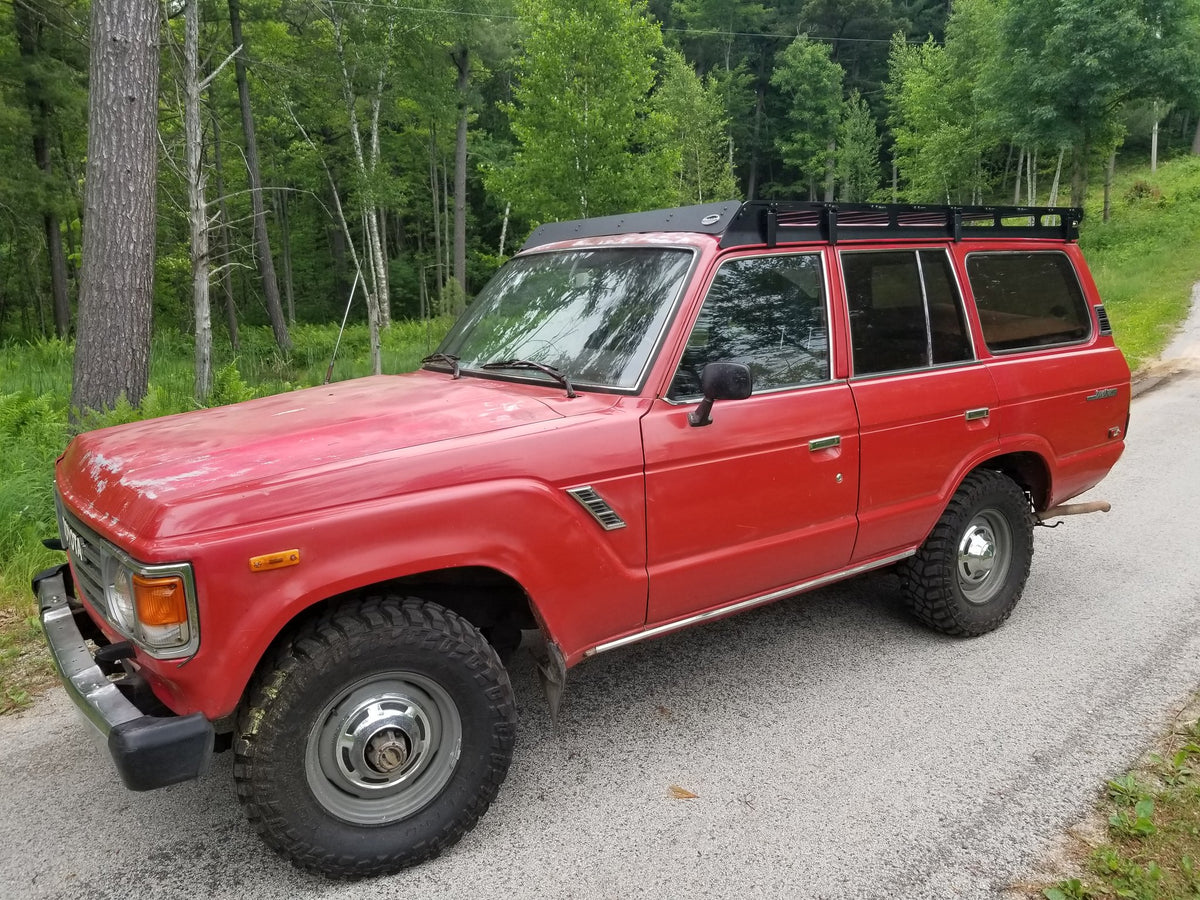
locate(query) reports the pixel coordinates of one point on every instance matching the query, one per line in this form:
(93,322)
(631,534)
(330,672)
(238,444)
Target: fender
(566,563)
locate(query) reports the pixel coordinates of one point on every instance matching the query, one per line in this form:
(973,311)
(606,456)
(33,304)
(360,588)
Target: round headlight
(118,594)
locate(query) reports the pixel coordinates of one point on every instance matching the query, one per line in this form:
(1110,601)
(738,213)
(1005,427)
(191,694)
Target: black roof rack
(770,222)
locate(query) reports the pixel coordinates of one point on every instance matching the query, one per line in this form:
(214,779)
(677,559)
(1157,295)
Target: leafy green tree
(692,113)
(585,144)
(811,85)
(858,146)
(943,128)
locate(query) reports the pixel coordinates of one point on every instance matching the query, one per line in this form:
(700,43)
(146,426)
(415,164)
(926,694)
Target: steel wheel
(383,749)
(984,556)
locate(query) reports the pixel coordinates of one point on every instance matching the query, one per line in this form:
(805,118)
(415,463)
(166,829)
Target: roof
(771,222)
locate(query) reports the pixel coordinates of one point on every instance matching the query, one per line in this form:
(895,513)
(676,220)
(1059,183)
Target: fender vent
(1102,315)
(598,507)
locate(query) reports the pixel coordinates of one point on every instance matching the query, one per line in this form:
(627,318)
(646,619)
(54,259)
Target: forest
(392,153)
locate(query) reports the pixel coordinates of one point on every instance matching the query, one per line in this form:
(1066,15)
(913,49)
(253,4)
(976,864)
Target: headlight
(118,594)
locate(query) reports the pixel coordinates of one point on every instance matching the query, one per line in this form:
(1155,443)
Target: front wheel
(968,575)
(375,738)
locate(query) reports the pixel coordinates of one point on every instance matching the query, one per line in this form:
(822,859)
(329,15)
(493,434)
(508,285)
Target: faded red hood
(124,477)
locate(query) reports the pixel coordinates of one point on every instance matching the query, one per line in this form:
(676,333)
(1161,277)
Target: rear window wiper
(557,374)
(447,358)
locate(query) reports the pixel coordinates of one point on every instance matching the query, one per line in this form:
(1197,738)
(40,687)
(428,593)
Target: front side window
(1028,300)
(904,311)
(767,312)
(595,315)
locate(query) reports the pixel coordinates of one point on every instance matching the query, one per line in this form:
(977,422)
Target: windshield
(595,315)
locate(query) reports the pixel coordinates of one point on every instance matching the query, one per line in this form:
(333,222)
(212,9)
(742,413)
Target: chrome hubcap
(383,749)
(984,554)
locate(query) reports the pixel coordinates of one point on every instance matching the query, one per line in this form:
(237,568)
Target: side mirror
(721,381)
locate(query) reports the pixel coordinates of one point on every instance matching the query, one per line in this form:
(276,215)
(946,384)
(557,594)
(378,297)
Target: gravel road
(837,749)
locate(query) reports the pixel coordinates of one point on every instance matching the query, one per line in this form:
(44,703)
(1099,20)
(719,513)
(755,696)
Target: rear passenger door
(924,402)
(765,495)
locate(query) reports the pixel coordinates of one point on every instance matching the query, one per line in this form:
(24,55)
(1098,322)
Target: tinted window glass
(904,311)
(767,312)
(1027,299)
(947,324)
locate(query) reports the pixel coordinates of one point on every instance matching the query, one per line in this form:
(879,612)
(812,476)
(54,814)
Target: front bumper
(149,751)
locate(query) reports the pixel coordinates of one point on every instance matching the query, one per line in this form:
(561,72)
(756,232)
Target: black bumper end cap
(153,752)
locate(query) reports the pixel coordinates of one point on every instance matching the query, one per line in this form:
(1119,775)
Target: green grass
(35,385)
(1147,258)
(1152,821)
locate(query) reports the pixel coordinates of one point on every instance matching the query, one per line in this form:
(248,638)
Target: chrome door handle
(974,415)
(825,443)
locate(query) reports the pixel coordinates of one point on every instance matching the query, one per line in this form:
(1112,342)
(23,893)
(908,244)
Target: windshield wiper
(557,374)
(448,359)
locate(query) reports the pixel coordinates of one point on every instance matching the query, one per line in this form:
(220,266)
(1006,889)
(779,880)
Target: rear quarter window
(1028,300)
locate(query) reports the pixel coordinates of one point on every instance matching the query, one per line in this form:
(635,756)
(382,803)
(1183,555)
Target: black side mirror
(721,381)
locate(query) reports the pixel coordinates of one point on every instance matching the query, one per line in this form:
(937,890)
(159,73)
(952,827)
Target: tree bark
(1154,140)
(1196,139)
(1062,151)
(28,28)
(262,241)
(462,61)
(437,214)
(197,208)
(112,355)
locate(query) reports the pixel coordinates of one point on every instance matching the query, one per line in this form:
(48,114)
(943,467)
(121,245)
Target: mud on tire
(374,738)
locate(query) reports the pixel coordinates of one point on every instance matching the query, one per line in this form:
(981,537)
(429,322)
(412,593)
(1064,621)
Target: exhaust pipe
(1074,509)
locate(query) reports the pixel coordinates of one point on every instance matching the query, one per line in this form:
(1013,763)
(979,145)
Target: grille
(1102,315)
(90,557)
(598,507)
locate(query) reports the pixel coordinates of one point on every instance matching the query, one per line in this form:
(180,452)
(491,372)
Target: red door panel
(760,499)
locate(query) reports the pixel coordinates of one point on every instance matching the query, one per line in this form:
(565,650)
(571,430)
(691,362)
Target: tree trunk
(1154,140)
(1020,164)
(1108,180)
(462,61)
(112,355)
(28,27)
(437,214)
(1079,156)
(231,322)
(262,241)
(1196,139)
(197,209)
(504,226)
(1062,151)
(830,170)
(285,237)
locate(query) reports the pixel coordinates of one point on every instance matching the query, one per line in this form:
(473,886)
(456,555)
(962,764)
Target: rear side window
(1028,300)
(904,311)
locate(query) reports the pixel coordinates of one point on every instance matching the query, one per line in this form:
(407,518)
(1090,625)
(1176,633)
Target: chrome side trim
(750,603)
(598,507)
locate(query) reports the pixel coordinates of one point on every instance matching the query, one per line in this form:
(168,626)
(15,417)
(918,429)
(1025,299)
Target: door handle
(974,415)
(825,443)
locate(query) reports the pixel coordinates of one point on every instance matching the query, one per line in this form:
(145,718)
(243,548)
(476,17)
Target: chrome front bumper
(149,751)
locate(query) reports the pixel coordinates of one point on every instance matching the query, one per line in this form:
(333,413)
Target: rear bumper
(149,751)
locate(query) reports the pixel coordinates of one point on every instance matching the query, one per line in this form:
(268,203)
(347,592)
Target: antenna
(338,342)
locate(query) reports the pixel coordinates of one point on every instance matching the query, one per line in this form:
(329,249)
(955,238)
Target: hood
(121,478)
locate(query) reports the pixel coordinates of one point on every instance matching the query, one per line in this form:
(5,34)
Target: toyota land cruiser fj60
(642,423)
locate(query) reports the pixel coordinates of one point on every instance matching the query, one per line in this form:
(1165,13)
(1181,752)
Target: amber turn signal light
(160,601)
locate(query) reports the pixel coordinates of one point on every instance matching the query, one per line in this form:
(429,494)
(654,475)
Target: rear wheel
(968,575)
(375,738)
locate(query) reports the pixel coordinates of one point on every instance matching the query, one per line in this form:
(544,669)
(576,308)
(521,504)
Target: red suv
(642,423)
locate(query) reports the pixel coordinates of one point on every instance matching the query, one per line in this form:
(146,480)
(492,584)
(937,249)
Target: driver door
(765,496)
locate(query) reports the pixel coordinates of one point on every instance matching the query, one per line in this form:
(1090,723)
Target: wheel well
(493,602)
(1026,469)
